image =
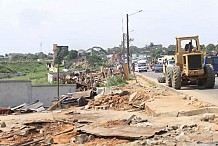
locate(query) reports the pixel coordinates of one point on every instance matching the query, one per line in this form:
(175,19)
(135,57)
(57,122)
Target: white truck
(141,65)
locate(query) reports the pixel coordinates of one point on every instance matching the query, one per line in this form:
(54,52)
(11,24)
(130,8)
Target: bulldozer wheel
(168,77)
(210,76)
(161,80)
(176,78)
(200,82)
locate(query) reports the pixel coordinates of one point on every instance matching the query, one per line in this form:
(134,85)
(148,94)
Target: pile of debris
(118,99)
(36,106)
(39,132)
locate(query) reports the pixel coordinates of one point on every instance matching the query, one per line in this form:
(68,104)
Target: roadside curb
(202,110)
(159,85)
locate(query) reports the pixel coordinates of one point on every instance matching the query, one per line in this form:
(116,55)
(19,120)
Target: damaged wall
(14,92)
(46,93)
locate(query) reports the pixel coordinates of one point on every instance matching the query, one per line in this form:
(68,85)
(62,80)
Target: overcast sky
(82,24)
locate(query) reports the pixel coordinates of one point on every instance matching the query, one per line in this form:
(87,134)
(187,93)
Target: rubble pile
(39,132)
(116,102)
(121,101)
(65,131)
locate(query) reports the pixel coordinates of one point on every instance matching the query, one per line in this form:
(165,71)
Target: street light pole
(127,36)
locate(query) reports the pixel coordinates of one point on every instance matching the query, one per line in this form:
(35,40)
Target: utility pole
(127,40)
(127,37)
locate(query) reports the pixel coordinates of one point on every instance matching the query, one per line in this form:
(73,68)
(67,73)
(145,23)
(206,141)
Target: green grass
(35,71)
(115,81)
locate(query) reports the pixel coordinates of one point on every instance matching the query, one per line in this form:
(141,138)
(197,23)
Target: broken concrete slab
(82,94)
(168,104)
(198,111)
(36,106)
(122,131)
(110,90)
(19,106)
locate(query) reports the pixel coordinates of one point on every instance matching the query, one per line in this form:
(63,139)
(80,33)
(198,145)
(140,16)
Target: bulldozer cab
(187,44)
(189,56)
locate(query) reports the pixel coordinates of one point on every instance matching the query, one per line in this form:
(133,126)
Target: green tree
(95,60)
(171,47)
(216,48)
(32,56)
(71,55)
(41,55)
(202,47)
(210,47)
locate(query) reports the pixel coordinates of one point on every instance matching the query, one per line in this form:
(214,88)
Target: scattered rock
(189,97)
(11,139)
(182,137)
(24,132)
(183,126)
(215,127)
(87,107)
(82,138)
(73,140)
(91,137)
(185,97)
(194,98)
(208,117)
(3,124)
(41,131)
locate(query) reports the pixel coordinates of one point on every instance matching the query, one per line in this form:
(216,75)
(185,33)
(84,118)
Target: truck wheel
(176,78)
(161,79)
(210,76)
(168,77)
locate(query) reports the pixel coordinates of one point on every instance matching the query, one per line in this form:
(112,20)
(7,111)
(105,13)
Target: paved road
(208,95)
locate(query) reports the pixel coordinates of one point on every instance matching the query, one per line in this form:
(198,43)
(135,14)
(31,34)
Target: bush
(116,81)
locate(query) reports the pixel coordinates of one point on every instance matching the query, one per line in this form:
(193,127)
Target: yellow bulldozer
(189,67)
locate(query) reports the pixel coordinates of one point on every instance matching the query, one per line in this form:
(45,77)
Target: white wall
(46,93)
(14,92)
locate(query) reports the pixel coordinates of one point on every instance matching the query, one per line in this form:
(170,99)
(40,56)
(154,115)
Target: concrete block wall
(46,93)
(16,92)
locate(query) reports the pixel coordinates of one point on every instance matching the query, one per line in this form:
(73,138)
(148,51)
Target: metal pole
(127,40)
(58,83)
